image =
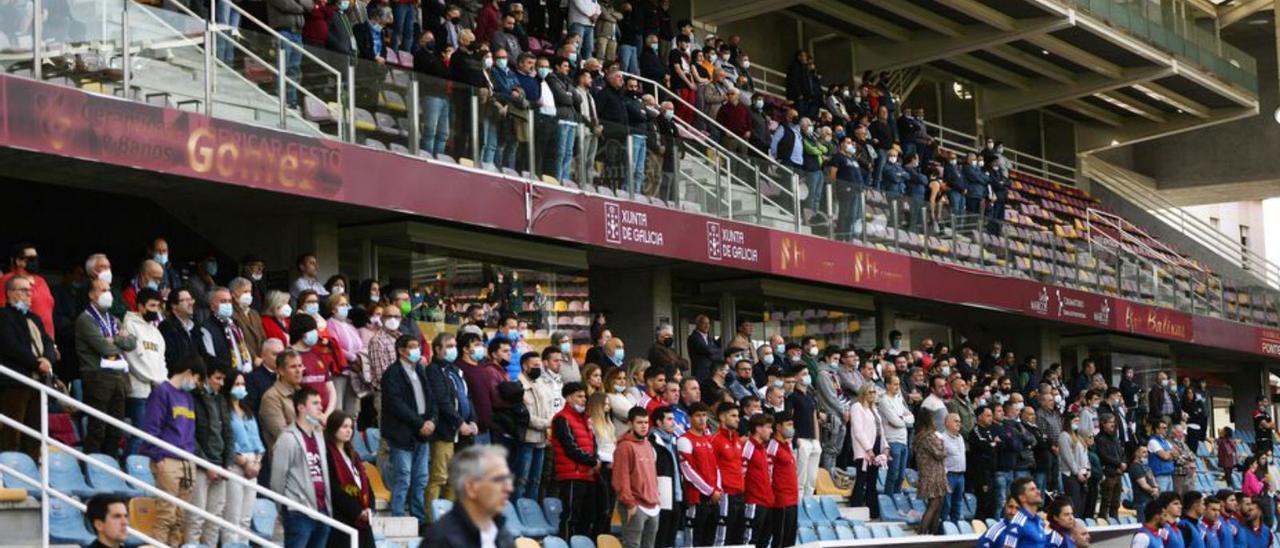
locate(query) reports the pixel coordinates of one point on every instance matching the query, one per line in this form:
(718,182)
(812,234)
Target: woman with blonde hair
(606,442)
(592,379)
(615,386)
(870,450)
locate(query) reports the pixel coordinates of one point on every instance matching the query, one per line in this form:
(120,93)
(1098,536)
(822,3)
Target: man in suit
(182,335)
(408,419)
(703,348)
(28,349)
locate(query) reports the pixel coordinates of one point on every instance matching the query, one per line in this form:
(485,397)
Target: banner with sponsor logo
(1269,342)
(1069,305)
(820,259)
(1164,323)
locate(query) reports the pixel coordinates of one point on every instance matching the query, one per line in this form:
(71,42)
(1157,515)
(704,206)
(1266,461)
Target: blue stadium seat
(803,517)
(439,508)
(826,532)
(104,481)
(1090,522)
(553,541)
(830,509)
(949,528)
(843,532)
(263,521)
(895,531)
(579,541)
(357,443)
(879,532)
(513,523)
(964,527)
(65,476)
(66,524)
(139,466)
(813,508)
(552,508)
(534,522)
(804,534)
(23,464)
(990,523)
(861,532)
(889,510)
(373,440)
(970,506)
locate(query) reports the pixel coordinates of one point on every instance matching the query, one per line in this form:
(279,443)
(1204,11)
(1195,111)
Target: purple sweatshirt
(171,416)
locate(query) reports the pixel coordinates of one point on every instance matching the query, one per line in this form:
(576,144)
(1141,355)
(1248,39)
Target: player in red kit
(701,478)
(786,482)
(759,481)
(655,379)
(728,450)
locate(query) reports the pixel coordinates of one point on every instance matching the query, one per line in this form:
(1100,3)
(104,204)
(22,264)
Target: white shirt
(304,283)
(546,102)
(489,536)
(954,444)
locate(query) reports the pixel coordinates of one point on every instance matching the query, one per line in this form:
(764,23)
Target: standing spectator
(24,263)
(630,36)
(1264,426)
(223,341)
(567,104)
(317,364)
(870,449)
(832,402)
(146,360)
(275,324)
(1193,405)
(246,318)
(931,462)
(483,380)
(786,496)
(307,264)
(351,347)
(606,437)
(480,476)
(803,407)
(171,417)
(728,449)
(663,438)
(300,471)
(960,405)
(214,444)
(934,406)
(1184,471)
(276,412)
(101,342)
(1162,456)
(1228,455)
(953,444)
(429,60)
(246,456)
(380,353)
(698,465)
(27,348)
(1162,400)
(758,483)
(1111,453)
(702,347)
(455,418)
(582,21)
(635,478)
(1075,460)
(408,420)
(287,17)
(984,443)
(350,492)
(577,467)
(897,420)
(1144,482)
(1049,421)
(532,445)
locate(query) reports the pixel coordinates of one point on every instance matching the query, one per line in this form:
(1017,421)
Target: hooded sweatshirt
(635,472)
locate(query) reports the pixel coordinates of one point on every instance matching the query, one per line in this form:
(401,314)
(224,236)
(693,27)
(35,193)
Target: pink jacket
(1252,485)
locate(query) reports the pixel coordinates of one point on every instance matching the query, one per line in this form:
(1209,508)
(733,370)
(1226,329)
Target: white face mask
(391,324)
(105,276)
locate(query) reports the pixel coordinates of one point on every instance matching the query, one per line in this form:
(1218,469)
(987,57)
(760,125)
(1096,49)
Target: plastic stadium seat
(513,523)
(990,523)
(608,541)
(552,507)
(979,527)
(879,532)
(843,532)
(825,532)
(526,542)
(895,531)
(861,532)
(889,510)
(554,542)
(65,476)
(813,507)
(139,466)
(949,528)
(142,514)
(66,524)
(825,486)
(439,508)
(830,509)
(376,485)
(373,440)
(970,506)
(1089,522)
(964,527)
(104,481)
(1102,522)
(803,517)
(364,120)
(23,464)
(263,521)
(534,522)
(806,535)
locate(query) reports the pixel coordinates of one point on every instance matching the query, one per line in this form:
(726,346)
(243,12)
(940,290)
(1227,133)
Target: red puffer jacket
(573,444)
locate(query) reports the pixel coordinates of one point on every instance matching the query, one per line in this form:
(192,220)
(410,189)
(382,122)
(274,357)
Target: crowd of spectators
(722,440)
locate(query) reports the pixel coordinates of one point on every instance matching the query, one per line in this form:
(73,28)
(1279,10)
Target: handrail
(47,392)
(64,498)
(1019,161)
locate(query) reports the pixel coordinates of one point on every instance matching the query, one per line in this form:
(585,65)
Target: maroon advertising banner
(655,230)
(69,122)
(1141,319)
(1268,342)
(823,260)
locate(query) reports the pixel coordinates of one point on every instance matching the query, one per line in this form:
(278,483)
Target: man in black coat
(984,443)
(481,481)
(408,420)
(455,418)
(27,349)
(182,335)
(663,438)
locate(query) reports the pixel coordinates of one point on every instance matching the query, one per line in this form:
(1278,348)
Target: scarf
(107,324)
(347,475)
(240,357)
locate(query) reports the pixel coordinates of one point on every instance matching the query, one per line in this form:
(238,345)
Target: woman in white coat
(870,449)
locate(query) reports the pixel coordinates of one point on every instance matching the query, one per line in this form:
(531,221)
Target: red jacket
(757,464)
(728,448)
(735,118)
(573,445)
(786,480)
(482,384)
(635,472)
(698,466)
(275,328)
(488,21)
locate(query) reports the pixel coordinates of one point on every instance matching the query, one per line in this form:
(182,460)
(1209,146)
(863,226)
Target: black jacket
(445,399)
(455,530)
(567,100)
(364,41)
(702,353)
(983,445)
(611,108)
(178,342)
(510,415)
(430,64)
(637,118)
(221,355)
(341,31)
(15,343)
(1110,452)
(400,418)
(213,428)
(346,509)
(652,66)
(1009,451)
(468,68)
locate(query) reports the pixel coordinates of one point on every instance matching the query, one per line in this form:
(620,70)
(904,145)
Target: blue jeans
(409,471)
(1165,483)
(897,464)
(528,470)
(301,531)
(1042,481)
(953,503)
(628,59)
(435,124)
(293,67)
(877,171)
(588,34)
(137,411)
(957,206)
(230,18)
(814,180)
(564,153)
(637,153)
(488,140)
(404,14)
(1004,479)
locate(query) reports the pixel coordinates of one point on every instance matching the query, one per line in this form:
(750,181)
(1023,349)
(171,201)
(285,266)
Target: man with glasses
(1161,457)
(483,484)
(26,347)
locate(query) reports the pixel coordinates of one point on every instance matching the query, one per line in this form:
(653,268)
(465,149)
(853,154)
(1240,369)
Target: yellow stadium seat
(826,486)
(797,331)
(1103,522)
(526,542)
(466,162)
(979,526)
(142,514)
(550,180)
(11,494)
(379,487)
(608,541)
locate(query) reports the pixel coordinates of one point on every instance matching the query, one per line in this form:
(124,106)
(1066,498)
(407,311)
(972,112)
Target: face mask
(478,353)
(789,432)
(245,299)
(256,276)
(311,308)
(946,371)
(338,290)
(455,20)
(211,267)
(344,4)
(152,285)
(314,421)
(284,311)
(502,63)
(534,373)
(488,62)
(150,316)
(848,149)
(813,351)
(806,380)
(776,384)
(105,276)
(579,408)
(239,392)
(619,355)
(668,114)
(653,46)
(980,162)
(405,307)
(893,159)
(391,324)
(162,258)
(1017,407)
(780,349)
(342,312)
(22,306)
(573,58)
(105,300)
(311,338)
(767,359)
(543,72)
(1075,427)
(415,355)
(188,385)
(566,348)
(224,310)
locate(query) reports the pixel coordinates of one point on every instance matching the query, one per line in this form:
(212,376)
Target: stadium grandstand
(604,273)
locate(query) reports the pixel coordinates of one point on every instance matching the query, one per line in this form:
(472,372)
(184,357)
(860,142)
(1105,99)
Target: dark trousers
(784,526)
(1075,491)
(984,487)
(758,530)
(105,391)
(1091,492)
(1111,489)
(733,523)
(546,130)
(668,523)
(606,501)
(864,488)
(20,404)
(581,505)
(701,523)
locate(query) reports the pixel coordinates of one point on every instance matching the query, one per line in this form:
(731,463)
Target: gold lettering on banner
(1269,342)
(1160,323)
(792,254)
(255,159)
(865,268)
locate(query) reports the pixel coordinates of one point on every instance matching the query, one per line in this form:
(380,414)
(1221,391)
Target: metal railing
(46,442)
(768,80)
(1018,160)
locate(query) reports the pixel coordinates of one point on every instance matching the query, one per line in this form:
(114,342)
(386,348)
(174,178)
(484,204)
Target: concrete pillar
(1245,390)
(728,316)
(634,300)
(886,321)
(324,243)
(1049,348)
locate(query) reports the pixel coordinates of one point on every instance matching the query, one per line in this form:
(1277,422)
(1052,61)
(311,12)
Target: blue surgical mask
(239,392)
(188,385)
(311,338)
(162,258)
(211,267)
(478,353)
(780,349)
(152,285)
(311,308)
(619,355)
(566,348)
(415,355)
(224,310)
(502,63)
(22,306)
(768,359)
(344,4)
(451,354)
(543,72)
(573,58)
(342,312)
(488,62)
